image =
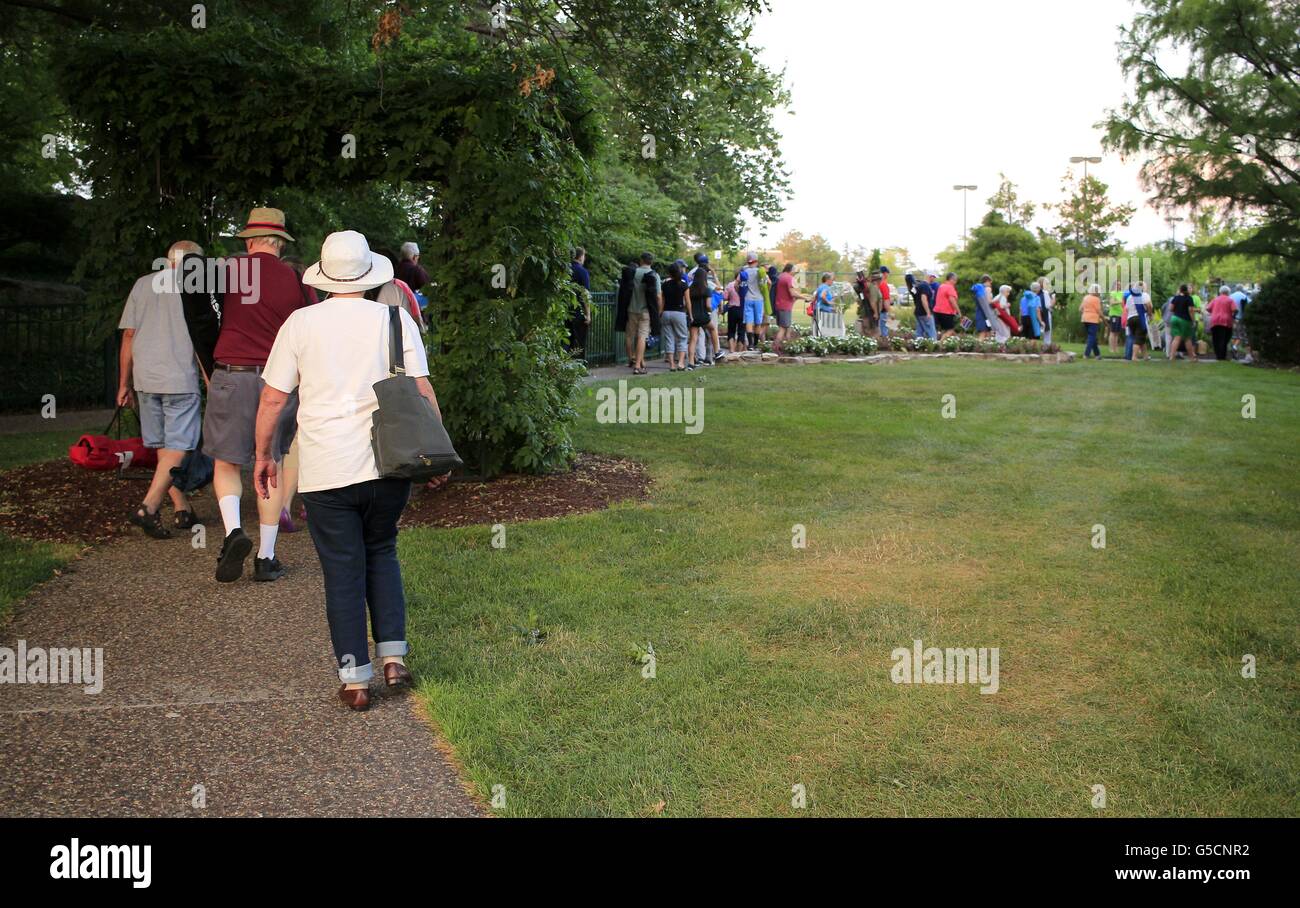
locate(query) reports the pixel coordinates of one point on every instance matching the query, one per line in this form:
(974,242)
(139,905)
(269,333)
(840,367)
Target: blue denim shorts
(169,421)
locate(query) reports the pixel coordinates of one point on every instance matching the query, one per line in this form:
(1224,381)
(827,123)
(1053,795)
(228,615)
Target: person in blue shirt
(580,316)
(751,301)
(1031,312)
(824,298)
(983,306)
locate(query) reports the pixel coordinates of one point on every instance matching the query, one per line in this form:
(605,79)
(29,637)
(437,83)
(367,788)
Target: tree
(814,251)
(490,138)
(1007,203)
(1007,252)
(625,216)
(1273,319)
(1088,219)
(1223,132)
(897,259)
(695,119)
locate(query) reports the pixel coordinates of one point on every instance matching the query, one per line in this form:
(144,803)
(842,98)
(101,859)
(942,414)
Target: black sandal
(185,519)
(151,523)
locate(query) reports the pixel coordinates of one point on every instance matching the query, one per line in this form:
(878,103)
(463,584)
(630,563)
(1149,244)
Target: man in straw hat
(261,293)
(333,354)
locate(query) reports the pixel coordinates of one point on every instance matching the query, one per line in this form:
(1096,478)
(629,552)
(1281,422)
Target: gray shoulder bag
(408,437)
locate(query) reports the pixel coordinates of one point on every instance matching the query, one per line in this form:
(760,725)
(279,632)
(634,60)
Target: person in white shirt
(1001,304)
(1049,304)
(333,353)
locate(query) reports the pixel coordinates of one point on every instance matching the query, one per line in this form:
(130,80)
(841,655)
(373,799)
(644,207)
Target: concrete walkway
(227,686)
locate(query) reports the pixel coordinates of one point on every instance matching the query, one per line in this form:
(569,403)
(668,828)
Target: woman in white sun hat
(333,353)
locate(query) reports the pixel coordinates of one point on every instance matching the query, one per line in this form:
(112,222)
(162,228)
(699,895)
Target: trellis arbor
(186,130)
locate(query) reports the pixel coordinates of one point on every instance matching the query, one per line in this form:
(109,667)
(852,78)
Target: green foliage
(626,215)
(1088,219)
(502,168)
(814,251)
(1006,202)
(1223,131)
(1011,254)
(1273,319)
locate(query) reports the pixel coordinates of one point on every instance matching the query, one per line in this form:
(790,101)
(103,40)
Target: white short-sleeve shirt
(333,353)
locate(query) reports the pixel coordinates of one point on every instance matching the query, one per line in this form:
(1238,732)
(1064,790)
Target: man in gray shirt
(159,377)
(646,292)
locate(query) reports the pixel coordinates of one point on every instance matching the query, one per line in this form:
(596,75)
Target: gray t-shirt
(639,300)
(161,354)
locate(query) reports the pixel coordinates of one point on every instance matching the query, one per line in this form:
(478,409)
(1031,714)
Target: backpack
(742,284)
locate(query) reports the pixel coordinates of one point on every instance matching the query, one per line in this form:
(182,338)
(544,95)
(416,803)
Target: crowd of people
(686,309)
(289,377)
(1184,320)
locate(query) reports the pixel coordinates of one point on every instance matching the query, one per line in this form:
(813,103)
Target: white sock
(267,547)
(229,505)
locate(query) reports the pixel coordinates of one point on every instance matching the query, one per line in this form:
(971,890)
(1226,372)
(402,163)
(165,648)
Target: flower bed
(857,345)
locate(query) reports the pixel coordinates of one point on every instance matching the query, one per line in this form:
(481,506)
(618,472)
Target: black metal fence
(61,349)
(605,346)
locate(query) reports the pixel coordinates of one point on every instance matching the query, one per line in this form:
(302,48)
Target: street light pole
(1173,223)
(1087,213)
(964,188)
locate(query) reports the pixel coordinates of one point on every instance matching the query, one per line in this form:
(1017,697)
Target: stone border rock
(890,357)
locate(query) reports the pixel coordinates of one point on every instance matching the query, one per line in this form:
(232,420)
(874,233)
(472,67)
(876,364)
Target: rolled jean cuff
(392,648)
(357,674)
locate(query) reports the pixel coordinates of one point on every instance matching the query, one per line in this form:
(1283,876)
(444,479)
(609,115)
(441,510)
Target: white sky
(894,102)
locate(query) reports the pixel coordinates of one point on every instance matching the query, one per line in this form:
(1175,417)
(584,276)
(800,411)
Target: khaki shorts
(230,422)
(638,324)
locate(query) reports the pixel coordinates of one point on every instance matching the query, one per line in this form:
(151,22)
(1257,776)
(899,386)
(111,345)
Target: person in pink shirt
(946,309)
(1223,309)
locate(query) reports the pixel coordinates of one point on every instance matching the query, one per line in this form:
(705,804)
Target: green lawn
(1118,667)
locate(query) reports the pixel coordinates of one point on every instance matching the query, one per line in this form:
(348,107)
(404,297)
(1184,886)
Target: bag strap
(115,421)
(396,363)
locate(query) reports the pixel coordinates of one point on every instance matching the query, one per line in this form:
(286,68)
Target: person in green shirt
(1115,316)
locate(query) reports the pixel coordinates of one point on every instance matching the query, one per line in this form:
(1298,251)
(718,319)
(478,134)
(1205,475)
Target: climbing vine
(186,130)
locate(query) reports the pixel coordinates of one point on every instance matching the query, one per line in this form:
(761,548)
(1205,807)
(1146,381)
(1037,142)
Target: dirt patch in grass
(595,482)
(60,502)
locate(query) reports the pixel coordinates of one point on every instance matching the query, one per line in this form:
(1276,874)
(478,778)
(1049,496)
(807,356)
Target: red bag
(110,451)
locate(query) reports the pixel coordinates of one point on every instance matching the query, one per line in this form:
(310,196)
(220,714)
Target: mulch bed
(60,502)
(595,482)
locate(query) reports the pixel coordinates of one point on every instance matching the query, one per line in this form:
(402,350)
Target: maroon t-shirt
(250,321)
(415,276)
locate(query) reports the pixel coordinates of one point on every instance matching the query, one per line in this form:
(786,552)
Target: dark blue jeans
(1091,346)
(355,531)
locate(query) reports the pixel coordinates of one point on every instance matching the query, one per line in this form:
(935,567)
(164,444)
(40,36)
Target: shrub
(1273,319)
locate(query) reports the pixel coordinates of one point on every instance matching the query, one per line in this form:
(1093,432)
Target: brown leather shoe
(397,675)
(357,698)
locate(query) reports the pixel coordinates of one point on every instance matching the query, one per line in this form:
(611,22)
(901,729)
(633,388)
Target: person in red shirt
(261,292)
(885,304)
(783,302)
(946,309)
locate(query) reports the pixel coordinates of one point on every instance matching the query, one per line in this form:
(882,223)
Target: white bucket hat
(347,265)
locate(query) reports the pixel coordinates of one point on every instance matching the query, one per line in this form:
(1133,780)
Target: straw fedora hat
(264,222)
(347,265)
